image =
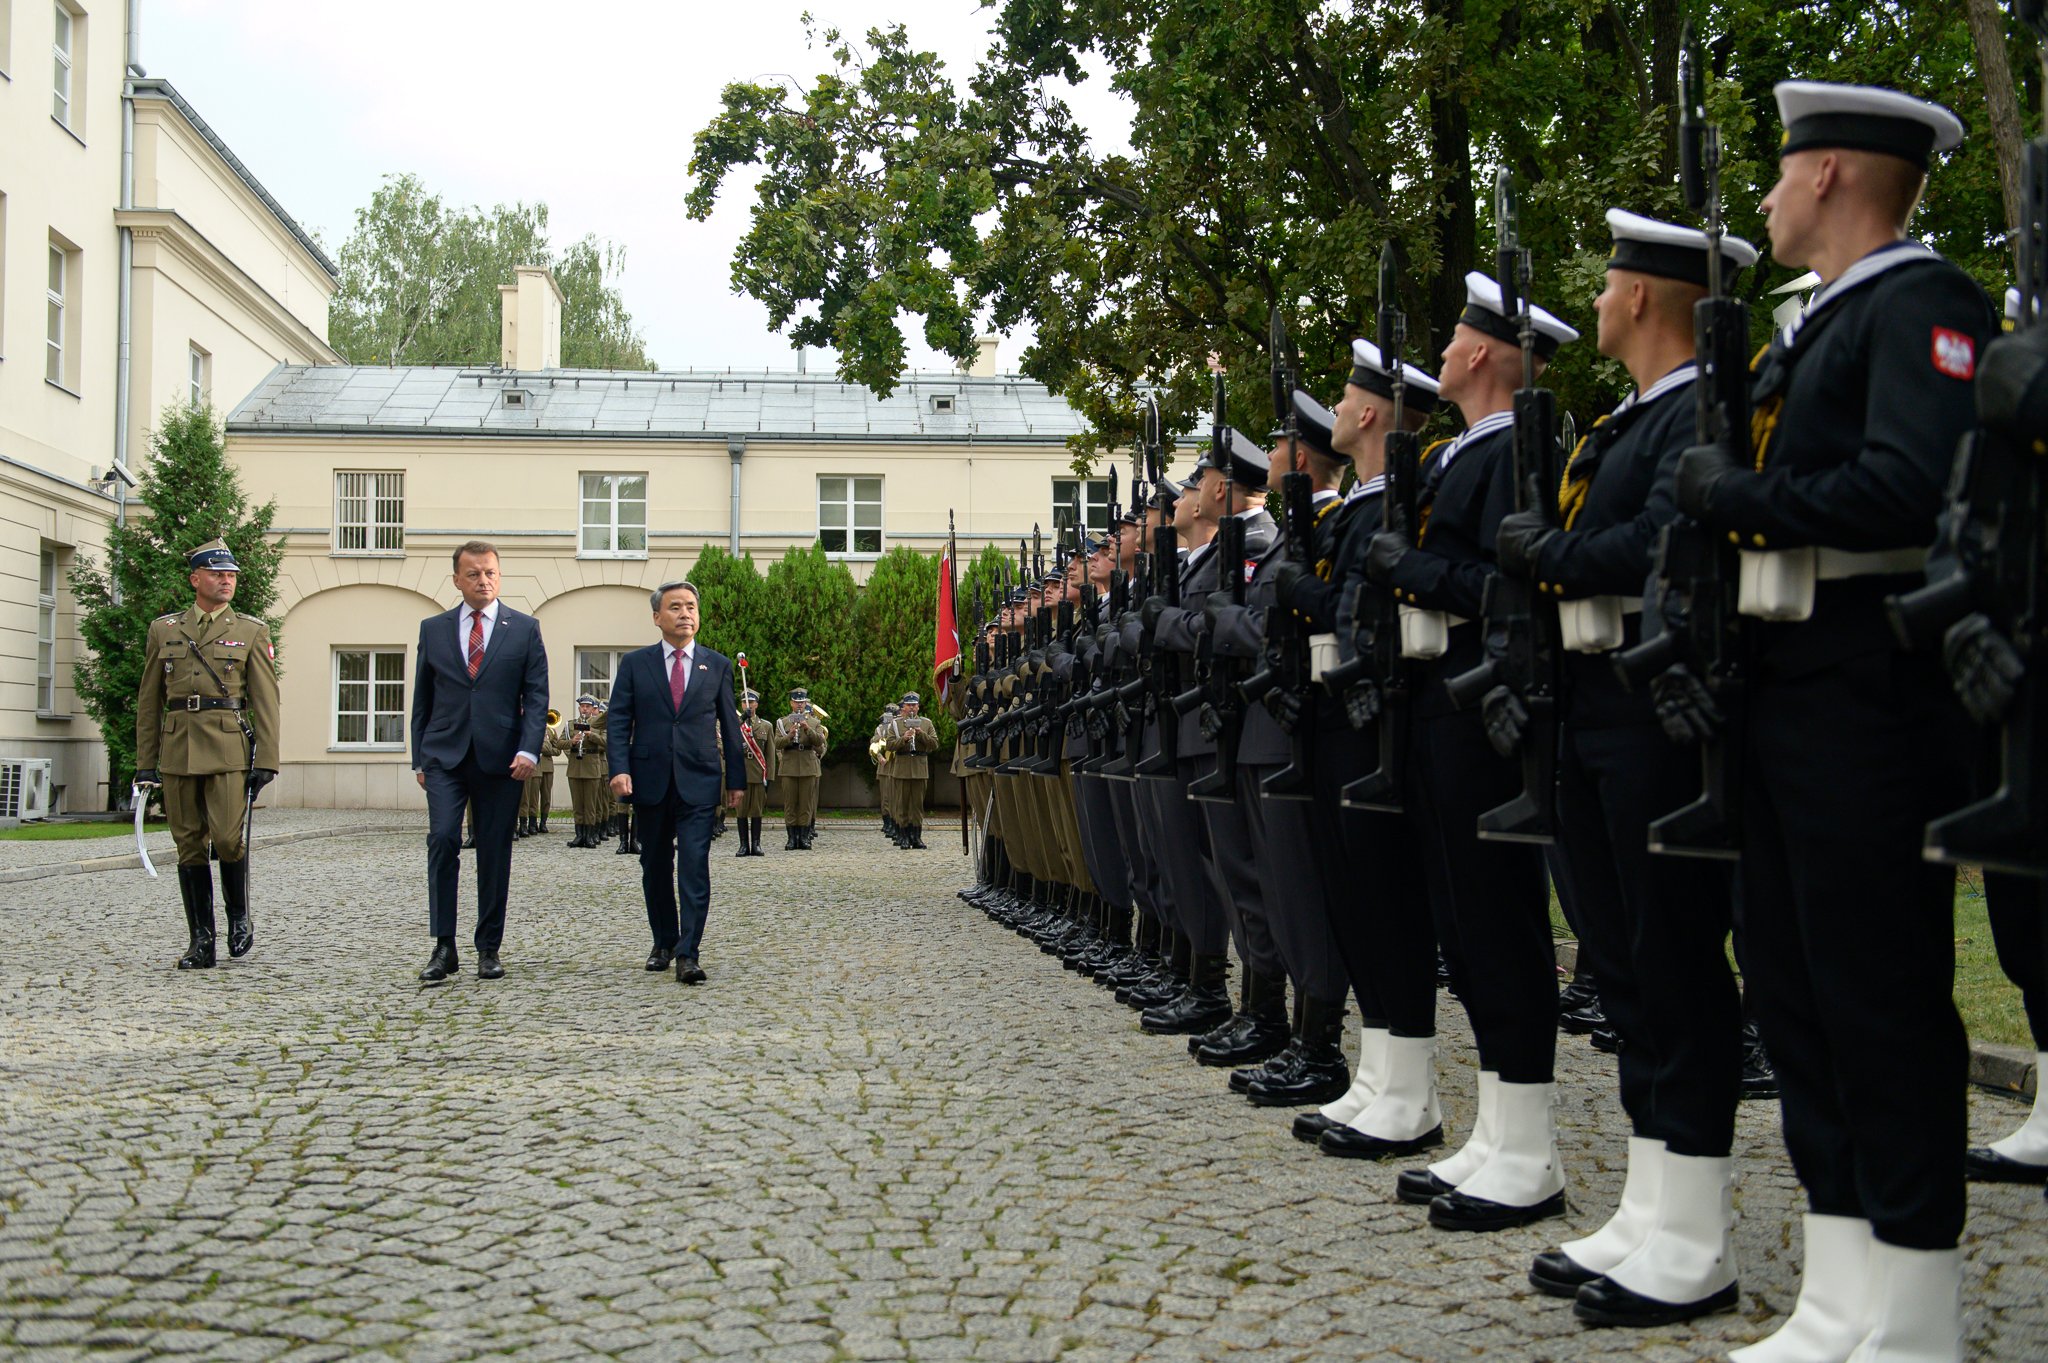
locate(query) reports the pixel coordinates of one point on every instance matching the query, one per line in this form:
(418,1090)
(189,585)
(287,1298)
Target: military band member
(800,742)
(540,787)
(206,732)
(584,748)
(758,739)
(1851,745)
(911,743)
(885,770)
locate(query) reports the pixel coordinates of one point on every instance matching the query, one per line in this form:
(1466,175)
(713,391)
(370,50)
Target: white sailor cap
(1369,371)
(1314,424)
(1237,457)
(1863,118)
(1485,312)
(1667,250)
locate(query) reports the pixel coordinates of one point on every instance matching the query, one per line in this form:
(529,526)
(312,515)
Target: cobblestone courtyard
(886,1129)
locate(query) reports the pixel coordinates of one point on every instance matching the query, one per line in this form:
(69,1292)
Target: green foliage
(730,599)
(809,636)
(419,284)
(189,493)
(1275,145)
(899,611)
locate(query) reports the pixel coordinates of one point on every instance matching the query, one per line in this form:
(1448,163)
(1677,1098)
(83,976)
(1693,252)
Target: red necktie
(678,677)
(476,641)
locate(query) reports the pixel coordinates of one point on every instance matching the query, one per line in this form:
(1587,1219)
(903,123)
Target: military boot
(1320,1074)
(195,887)
(789,837)
(1203,1004)
(1255,1032)
(234,893)
(745,848)
(1166,980)
(917,837)
(624,824)
(578,840)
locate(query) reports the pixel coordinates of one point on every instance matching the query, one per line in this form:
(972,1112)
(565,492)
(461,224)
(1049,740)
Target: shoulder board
(172,616)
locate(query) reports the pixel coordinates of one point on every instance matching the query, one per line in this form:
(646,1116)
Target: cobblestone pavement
(886,1129)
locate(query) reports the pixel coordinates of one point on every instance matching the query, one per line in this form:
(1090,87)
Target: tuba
(554,716)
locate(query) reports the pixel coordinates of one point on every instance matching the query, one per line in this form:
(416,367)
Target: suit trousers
(492,802)
(1133,842)
(1099,843)
(675,871)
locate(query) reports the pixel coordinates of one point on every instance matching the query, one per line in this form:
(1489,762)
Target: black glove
(1287,577)
(1383,554)
(1685,708)
(1210,721)
(148,779)
(1519,542)
(1505,718)
(1983,667)
(259,778)
(1149,613)
(1701,469)
(1362,703)
(1285,707)
(1213,605)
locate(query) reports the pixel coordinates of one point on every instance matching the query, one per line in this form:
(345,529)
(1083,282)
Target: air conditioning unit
(24,790)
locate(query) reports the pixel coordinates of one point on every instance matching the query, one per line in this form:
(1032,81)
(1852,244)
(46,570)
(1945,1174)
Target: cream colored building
(596,487)
(140,264)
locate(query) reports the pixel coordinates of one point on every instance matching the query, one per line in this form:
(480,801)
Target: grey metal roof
(168,92)
(670,405)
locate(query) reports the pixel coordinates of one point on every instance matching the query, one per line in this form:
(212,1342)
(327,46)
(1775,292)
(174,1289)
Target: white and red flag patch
(1954,354)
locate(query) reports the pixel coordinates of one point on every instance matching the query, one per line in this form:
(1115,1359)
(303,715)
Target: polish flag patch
(1954,354)
(1251,569)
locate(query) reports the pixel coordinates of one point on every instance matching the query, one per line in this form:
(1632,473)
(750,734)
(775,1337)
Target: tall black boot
(1203,1004)
(195,887)
(625,827)
(1255,1032)
(1166,980)
(234,893)
(746,848)
(579,840)
(917,837)
(1319,1074)
(789,837)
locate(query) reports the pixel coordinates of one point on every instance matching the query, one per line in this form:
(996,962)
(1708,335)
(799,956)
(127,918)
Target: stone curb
(132,862)
(2002,1069)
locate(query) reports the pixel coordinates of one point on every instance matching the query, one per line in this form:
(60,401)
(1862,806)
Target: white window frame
(590,684)
(852,504)
(198,375)
(1094,503)
(57,318)
(380,493)
(372,654)
(608,488)
(63,43)
(46,633)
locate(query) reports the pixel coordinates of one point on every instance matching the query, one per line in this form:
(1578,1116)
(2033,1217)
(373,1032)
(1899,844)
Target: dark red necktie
(476,641)
(678,677)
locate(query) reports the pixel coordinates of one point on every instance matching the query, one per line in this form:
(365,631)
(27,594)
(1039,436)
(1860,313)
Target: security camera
(120,474)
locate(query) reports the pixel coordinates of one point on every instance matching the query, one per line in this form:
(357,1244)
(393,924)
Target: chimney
(531,335)
(984,366)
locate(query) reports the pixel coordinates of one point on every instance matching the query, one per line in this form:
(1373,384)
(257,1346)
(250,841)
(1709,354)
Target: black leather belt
(206,703)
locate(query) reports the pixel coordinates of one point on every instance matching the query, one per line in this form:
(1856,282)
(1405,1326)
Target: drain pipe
(736,448)
(125,319)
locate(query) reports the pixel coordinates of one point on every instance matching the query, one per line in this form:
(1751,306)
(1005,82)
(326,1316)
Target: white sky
(588,108)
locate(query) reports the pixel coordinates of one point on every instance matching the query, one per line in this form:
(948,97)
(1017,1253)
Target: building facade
(596,487)
(141,264)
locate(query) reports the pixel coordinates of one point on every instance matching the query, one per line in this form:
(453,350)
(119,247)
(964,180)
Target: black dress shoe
(1583,1020)
(1556,1274)
(1608,1040)
(1606,1302)
(1317,1080)
(1310,1126)
(688,971)
(487,967)
(1419,1187)
(659,958)
(1194,1010)
(1982,1164)
(1759,1076)
(1461,1211)
(1346,1142)
(1279,1065)
(1255,1040)
(443,963)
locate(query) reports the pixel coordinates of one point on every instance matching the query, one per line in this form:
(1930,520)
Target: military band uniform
(590,801)
(800,743)
(912,741)
(536,798)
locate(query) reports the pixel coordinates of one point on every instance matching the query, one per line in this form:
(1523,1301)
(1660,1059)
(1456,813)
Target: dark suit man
(479,707)
(675,755)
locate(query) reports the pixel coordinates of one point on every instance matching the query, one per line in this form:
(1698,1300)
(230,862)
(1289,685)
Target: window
(850,515)
(61,49)
(1094,493)
(595,668)
(614,515)
(46,634)
(369,513)
(369,698)
(198,376)
(60,276)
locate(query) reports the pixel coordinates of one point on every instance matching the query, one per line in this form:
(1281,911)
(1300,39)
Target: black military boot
(917,837)
(746,848)
(625,826)
(1167,978)
(1138,961)
(195,887)
(1578,1006)
(577,841)
(1319,1074)
(1257,1031)
(1759,1075)
(541,824)
(1203,1004)
(234,894)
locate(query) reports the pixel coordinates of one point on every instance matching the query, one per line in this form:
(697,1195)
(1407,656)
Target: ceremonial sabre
(141,848)
(746,727)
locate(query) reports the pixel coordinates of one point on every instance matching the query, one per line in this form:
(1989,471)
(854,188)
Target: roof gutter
(736,449)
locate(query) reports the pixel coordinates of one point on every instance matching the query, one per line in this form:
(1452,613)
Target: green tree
(731,598)
(894,623)
(191,494)
(419,284)
(808,627)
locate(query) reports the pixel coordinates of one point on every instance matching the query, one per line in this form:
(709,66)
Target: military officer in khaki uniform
(757,738)
(206,722)
(585,750)
(886,789)
(912,742)
(540,787)
(800,743)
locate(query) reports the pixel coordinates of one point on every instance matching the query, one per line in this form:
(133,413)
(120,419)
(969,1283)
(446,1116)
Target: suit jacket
(688,751)
(500,712)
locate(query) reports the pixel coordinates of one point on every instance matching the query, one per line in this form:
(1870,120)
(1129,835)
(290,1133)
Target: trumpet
(554,716)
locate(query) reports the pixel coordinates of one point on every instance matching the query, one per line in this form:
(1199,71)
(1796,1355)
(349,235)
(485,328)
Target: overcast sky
(587,108)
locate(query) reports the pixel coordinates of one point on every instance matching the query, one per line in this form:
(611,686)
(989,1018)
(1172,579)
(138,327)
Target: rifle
(1289,671)
(1222,715)
(1698,571)
(1160,666)
(1521,630)
(1995,534)
(1376,662)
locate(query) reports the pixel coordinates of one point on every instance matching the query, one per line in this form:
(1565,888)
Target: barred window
(369,513)
(369,697)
